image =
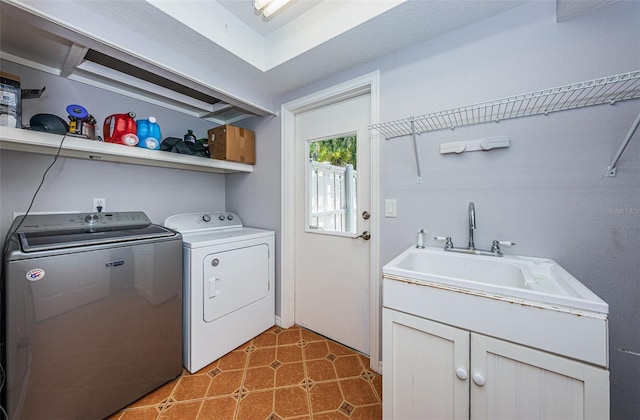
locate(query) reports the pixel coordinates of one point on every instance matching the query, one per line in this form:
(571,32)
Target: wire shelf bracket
(415,151)
(612,170)
(604,90)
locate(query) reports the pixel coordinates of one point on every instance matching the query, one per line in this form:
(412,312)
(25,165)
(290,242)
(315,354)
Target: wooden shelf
(46,143)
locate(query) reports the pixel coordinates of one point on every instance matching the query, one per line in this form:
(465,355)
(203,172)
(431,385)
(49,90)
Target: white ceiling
(245,11)
(309,42)
(228,48)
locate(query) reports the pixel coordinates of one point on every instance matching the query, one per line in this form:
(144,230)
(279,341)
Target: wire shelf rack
(604,90)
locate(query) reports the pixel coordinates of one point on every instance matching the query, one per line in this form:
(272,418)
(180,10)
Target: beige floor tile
(218,409)
(289,353)
(377,384)
(181,411)
(290,374)
(332,415)
(348,366)
(369,412)
(325,396)
(310,336)
(225,383)
(339,349)
(282,374)
(358,391)
(291,402)
(266,339)
(290,336)
(320,370)
(256,405)
(260,378)
(262,357)
(237,359)
(316,350)
(191,387)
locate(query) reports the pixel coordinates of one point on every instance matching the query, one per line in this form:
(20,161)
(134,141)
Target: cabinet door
(509,381)
(425,369)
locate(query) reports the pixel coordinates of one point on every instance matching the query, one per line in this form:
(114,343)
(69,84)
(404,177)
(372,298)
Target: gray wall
(547,192)
(71,184)
(256,196)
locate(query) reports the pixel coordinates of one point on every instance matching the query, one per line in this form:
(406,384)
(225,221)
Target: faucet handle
(448,242)
(495,246)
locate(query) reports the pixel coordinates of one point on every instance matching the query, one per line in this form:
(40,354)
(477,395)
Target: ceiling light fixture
(269,7)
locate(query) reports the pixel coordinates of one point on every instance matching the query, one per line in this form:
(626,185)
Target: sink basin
(523,278)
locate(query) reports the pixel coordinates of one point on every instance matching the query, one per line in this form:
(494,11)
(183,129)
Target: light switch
(390,207)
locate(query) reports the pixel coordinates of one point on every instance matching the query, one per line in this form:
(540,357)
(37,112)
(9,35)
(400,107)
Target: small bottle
(149,133)
(190,138)
(121,128)
(420,239)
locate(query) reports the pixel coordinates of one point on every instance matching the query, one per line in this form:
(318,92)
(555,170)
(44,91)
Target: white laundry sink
(523,278)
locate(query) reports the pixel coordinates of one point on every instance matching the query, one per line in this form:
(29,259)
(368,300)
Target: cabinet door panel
(420,360)
(524,383)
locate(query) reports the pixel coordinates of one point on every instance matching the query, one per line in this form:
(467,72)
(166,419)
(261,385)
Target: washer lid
(43,241)
(222,236)
(41,232)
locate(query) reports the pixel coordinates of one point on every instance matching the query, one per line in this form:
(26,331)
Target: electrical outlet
(99,204)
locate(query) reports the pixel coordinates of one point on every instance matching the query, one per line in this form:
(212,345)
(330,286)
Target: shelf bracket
(611,169)
(415,149)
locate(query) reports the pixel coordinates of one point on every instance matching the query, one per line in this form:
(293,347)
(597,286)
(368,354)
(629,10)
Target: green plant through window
(340,151)
(331,188)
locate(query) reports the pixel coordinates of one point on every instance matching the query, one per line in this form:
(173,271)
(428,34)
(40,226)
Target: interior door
(332,263)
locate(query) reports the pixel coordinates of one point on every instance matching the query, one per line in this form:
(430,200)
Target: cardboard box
(228,142)
(10,101)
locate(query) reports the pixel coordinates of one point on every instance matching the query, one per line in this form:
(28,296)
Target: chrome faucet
(472,224)
(471,249)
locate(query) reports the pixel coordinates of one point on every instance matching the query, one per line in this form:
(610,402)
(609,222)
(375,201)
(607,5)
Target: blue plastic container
(149,133)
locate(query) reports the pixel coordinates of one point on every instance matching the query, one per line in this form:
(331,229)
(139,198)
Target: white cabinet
(420,359)
(509,381)
(437,371)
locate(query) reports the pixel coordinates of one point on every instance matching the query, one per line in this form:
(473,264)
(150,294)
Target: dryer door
(234,279)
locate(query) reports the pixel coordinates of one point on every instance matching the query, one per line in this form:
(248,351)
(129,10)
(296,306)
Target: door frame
(368,83)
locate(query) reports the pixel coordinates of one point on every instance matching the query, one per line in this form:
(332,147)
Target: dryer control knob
(221,217)
(206,218)
(230,217)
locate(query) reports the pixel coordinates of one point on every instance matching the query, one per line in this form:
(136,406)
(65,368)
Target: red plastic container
(121,128)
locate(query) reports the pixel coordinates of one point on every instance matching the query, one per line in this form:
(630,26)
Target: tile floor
(280,374)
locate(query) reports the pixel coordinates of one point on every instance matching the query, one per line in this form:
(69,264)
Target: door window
(331,205)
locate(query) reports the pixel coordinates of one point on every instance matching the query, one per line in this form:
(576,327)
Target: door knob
(365,235)
(366,215)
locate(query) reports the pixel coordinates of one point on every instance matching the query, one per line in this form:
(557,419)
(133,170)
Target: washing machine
(92,309)
(228,283)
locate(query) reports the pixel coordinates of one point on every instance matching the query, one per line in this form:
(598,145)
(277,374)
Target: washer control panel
(188,222)
(72,221)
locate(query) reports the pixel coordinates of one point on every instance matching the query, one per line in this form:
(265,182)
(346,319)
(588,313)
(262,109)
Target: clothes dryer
(228,281)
